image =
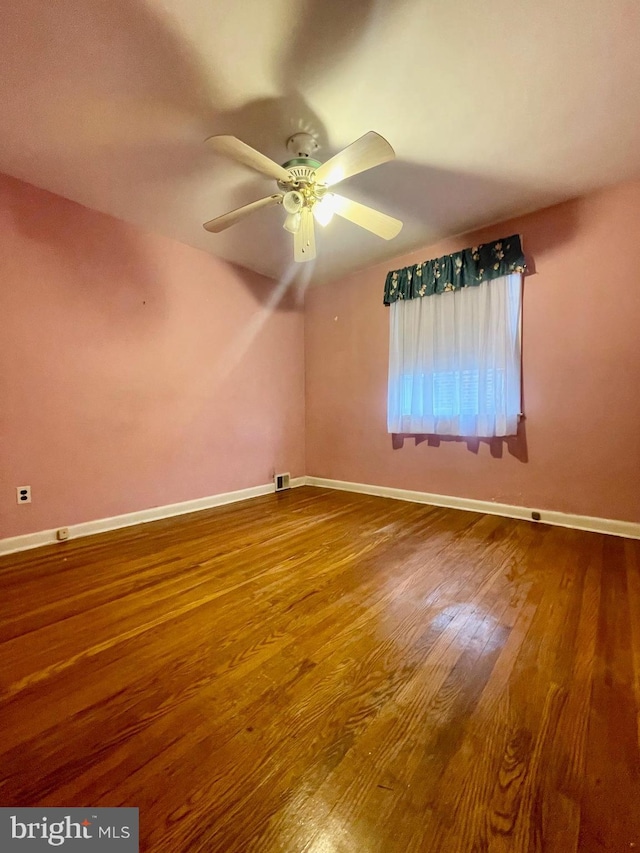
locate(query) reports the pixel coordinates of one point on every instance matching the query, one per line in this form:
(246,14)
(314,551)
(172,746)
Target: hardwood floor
(319,671)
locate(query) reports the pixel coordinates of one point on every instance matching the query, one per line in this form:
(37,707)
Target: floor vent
(281,481)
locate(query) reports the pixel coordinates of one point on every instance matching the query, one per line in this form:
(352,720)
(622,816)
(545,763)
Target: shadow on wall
(103,79)
(427,198)
(285,295)
(115,92)
(325,32)
(119,78)
(516,445)
(441,197)
(109,265)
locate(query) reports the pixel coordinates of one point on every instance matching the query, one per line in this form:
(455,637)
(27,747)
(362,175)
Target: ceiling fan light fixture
(303,184)
(324,209)
(292,223)
(293,201)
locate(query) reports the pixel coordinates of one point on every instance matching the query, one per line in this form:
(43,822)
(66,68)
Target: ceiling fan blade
(304,240)
(365,153)
(230,146)
(366,217)
(228,219)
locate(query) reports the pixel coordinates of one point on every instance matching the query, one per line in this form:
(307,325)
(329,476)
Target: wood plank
(610,799)
(324,671)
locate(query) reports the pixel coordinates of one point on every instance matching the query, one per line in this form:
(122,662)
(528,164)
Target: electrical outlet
(62,533)
(23,494)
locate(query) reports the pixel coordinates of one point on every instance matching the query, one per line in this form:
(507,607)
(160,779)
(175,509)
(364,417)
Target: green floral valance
(453,272)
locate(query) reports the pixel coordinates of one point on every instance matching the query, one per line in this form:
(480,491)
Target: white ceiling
(493,108)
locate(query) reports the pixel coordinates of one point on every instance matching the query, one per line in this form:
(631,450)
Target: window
(454,362)
(455,391)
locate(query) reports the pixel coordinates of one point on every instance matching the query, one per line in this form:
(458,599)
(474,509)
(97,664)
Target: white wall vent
(281,481)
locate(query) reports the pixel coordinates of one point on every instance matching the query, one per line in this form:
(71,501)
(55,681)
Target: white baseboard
(628,529)
(101,525)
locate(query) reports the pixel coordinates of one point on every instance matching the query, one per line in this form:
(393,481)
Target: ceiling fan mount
(302,144)
(305,183)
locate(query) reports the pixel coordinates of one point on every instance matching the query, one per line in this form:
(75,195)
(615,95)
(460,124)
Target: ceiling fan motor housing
(302,171)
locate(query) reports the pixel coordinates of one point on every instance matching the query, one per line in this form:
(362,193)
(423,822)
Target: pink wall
(138,372)
(134,371)
(579,449)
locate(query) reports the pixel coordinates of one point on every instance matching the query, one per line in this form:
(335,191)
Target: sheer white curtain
(454,361)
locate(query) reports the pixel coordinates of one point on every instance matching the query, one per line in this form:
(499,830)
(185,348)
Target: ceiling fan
(304,187)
